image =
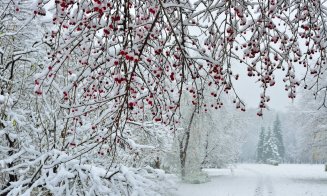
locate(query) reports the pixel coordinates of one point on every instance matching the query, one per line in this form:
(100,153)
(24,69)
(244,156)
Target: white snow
(2,99)
(261,180)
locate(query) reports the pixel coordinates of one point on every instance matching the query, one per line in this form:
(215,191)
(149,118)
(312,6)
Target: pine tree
(266,148)
(273,147)
(270,148)
(260,148)
(278,134)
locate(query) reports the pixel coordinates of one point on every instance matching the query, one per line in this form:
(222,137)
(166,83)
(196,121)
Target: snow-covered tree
(141,47)
(19,52)
(222,140)
(277,129)
(210,138)
(43,150)
(270,148)
(309,116)
(260,146)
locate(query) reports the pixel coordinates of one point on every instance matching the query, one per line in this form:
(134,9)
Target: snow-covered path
(261,180)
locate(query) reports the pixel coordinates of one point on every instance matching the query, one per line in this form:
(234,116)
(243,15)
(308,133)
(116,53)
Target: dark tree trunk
(183,144)
(12,177)
(157,163)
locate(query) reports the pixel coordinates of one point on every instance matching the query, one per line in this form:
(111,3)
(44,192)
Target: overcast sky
(250,90)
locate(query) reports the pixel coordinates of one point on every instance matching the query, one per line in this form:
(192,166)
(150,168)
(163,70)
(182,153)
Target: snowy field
(261,180)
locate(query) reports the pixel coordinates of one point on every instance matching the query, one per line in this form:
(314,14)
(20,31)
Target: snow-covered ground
(261,180)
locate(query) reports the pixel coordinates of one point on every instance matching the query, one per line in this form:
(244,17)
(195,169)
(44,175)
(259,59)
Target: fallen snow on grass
(261,180)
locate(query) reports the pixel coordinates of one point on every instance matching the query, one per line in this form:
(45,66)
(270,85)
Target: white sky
(249,90)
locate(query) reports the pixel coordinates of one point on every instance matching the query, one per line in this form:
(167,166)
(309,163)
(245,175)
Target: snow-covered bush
(272,162)
(82,177)
(196,177)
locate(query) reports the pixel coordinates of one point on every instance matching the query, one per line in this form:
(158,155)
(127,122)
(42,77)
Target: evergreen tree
(273,147)
(270,148)
(266,148)
(279,137)
(260,146)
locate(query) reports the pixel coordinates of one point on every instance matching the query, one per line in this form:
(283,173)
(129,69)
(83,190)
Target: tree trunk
(183,161)
(183,147)
(12,177)
(157,163)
